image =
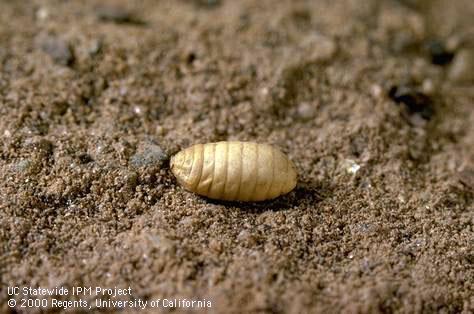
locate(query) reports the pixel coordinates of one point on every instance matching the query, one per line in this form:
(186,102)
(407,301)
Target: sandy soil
(372,100)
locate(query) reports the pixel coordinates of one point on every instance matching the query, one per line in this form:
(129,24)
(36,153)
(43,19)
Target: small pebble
(376,90)
(58,49)
(148,154)
(306,111)
(401,199)
(42,14)
(462,68)
(418,121)
(22,165)
(428,86)
(95,47)
(160,130)
(351,166)
(318,48)
(454,42)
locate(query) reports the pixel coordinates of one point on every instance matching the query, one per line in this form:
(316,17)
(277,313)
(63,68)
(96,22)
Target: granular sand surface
(372,100)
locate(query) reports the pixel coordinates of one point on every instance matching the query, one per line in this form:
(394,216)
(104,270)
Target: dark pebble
(416,101)
(438,53)
(58,49)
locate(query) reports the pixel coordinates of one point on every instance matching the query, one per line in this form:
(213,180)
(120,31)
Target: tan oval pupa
(234,171)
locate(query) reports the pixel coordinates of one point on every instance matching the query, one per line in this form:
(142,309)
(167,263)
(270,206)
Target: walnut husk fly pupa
(234,171)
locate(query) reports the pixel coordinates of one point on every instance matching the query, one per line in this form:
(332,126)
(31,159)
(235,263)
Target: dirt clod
(148,154)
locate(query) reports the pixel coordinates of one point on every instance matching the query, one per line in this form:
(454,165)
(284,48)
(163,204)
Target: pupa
(234,171)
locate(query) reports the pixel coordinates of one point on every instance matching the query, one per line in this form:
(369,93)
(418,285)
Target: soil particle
(22,165)
(95,47)
(57,48)
(462,67)
(148,154)
(42,13)
(318,48)
(466,177)
(306,111)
